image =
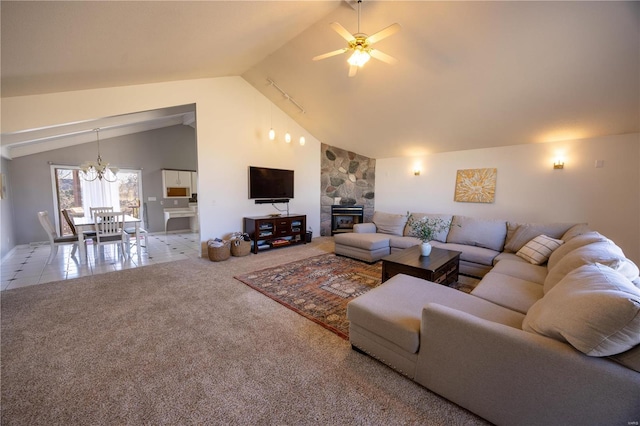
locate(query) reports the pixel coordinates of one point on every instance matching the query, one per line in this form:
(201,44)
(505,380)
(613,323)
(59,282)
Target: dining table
(83,223)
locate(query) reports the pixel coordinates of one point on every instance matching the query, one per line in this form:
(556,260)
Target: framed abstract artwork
(476,185)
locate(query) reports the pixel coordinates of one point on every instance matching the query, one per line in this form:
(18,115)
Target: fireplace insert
(344,217)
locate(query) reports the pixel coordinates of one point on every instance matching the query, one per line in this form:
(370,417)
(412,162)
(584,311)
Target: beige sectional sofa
(482,242)
(554,343)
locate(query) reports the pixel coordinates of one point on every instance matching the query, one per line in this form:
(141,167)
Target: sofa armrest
(365,228)
(509,376)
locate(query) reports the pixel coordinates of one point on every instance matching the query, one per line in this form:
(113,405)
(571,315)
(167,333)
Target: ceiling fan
(360,44)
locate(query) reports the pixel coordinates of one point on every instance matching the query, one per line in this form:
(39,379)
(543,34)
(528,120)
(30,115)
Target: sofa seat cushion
(510,292)
(473,254)
(472,231)
(393,310)
(521,269)
(508,256)
(363,241)
(594,308)
(403,242)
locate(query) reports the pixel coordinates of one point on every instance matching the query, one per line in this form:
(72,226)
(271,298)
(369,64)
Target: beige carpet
(185,343)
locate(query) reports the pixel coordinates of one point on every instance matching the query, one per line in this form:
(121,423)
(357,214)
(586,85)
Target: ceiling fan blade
(384,33)
(342,31)
(353,69)
(383,56)
(330,54)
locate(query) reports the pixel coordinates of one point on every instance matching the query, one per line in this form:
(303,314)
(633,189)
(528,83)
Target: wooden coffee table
(441,266)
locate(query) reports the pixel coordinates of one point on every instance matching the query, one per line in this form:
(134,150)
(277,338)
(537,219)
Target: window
(73,192)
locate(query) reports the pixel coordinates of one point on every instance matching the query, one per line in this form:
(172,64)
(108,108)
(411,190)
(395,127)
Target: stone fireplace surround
(346,179)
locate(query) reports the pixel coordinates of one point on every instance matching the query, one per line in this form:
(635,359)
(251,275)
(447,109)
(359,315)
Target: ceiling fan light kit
(359,58)
(360,45)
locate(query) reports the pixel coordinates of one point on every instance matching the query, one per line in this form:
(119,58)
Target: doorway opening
(77,195)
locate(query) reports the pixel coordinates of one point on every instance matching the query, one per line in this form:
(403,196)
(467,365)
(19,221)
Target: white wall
(7,234)
(528,189)
(232,124)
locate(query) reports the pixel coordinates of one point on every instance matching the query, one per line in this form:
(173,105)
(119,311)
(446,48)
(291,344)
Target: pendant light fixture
(272,133)
(92,170)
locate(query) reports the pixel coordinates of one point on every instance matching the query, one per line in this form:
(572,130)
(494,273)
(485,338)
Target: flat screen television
(265,183)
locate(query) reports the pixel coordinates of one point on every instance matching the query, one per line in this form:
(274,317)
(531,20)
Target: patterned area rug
(320,287)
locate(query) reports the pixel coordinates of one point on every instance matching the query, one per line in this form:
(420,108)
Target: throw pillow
(389,223)
(538,250)
(526,232)
(594,309)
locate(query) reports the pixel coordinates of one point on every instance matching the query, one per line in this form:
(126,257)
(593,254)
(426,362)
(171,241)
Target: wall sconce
(416,172)
(558,164)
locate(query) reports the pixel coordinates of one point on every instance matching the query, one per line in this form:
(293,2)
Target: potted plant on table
(425,229)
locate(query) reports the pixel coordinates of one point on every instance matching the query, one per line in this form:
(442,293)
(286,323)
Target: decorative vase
(425,248)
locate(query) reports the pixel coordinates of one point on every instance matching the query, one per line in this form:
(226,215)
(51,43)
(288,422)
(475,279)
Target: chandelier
(92,170)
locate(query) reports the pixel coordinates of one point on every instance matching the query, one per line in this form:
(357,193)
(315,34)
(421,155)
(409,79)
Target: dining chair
(93,210)
(110,230)
(54,239)
(131,235)
(67,217)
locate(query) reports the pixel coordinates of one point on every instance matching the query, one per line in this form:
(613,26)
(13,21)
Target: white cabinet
(176,183)
(177,178)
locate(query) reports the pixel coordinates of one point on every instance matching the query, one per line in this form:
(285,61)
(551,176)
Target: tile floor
(26,264)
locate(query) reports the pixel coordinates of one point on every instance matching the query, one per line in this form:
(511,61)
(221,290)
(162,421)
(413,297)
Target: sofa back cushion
(630,358)
(440,236)
(572,244)
(576,230)
(389,223)
(603,252)
(593,308)
(525,232)
(478,232)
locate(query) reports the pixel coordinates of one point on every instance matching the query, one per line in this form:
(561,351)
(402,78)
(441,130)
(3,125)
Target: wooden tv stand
(276,231)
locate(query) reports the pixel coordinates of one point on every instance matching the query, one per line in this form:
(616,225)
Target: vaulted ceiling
(469,74)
